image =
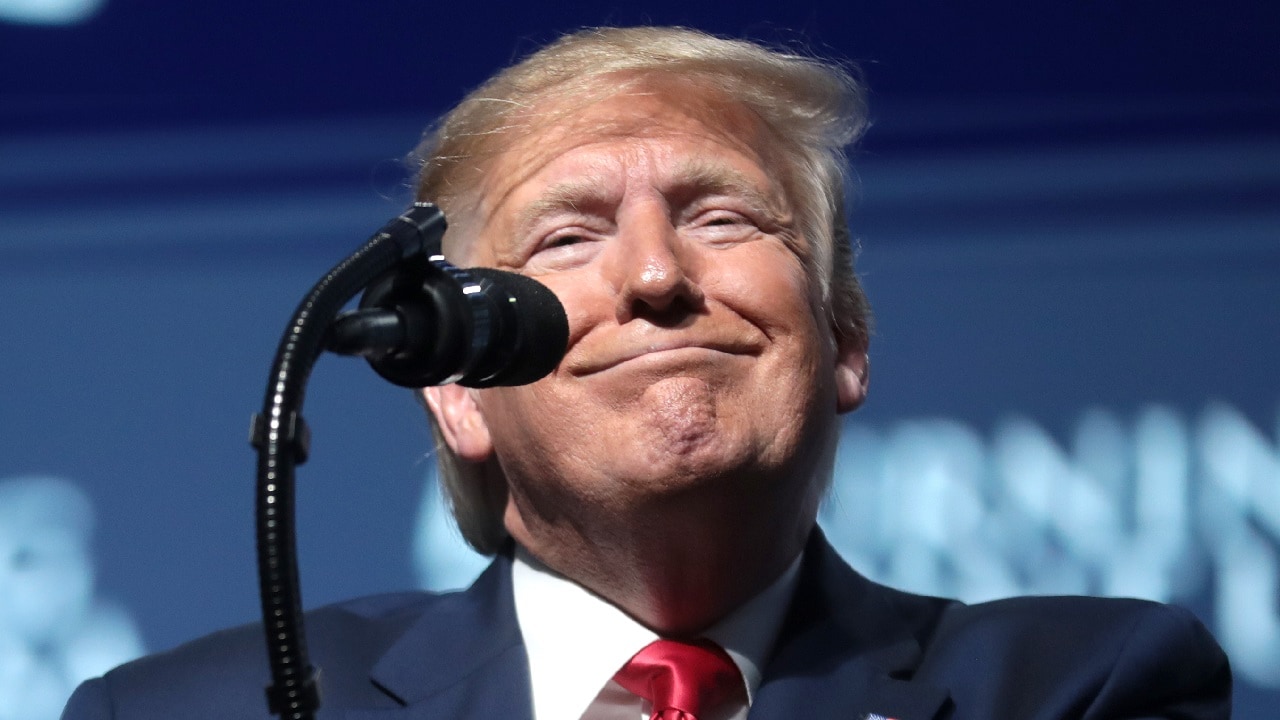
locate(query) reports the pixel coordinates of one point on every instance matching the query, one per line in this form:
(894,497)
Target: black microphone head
(533,329)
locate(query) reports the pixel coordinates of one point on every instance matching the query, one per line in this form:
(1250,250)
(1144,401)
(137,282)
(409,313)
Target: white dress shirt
(576,641)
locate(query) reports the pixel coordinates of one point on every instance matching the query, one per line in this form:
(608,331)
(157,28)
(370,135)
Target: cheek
(768,286)
(545,430)
(515,418)
(585,299)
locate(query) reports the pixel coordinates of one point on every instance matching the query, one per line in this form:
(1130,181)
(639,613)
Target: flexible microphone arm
(281,438)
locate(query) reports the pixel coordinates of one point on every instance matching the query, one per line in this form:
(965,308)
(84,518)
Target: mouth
(662,353)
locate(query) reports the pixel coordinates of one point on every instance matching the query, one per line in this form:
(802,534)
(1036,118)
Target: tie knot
(688,677)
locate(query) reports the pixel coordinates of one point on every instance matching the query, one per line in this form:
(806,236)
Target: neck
(679,566)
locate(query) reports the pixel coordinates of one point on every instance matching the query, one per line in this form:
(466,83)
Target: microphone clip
(418,324)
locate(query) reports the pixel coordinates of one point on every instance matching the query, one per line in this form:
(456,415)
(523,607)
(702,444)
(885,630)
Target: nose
(655,271)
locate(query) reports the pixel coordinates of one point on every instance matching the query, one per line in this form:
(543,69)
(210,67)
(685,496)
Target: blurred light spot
(54,632)
(49,12)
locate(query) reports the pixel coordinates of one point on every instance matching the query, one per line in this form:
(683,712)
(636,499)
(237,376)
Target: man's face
(699,358)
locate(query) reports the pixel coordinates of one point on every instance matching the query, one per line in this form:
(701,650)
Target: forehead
(712,142)
(595,173)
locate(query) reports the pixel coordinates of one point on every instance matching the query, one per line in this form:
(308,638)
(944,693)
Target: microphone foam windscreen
(535,324)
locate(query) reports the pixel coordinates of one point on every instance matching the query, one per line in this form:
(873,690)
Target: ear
(460,421)
(853,372)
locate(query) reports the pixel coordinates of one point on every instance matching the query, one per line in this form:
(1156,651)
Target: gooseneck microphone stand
(421,321)
(281,438)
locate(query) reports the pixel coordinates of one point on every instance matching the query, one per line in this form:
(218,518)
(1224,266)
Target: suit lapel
(464,659)
(846,650)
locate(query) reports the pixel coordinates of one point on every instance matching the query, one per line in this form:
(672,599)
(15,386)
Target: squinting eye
(564,250)
(722,218)
(563,240)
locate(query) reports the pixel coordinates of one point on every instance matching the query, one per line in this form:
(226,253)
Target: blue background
(1070,233)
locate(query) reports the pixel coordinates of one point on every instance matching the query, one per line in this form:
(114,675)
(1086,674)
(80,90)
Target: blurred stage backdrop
(1070,224)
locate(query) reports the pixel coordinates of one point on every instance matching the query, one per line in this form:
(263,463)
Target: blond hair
(812,110)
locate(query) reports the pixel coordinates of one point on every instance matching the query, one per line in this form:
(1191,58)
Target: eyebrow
(695,176)
(568,196)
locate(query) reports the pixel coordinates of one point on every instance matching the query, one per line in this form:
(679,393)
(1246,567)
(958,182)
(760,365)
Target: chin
(704,463)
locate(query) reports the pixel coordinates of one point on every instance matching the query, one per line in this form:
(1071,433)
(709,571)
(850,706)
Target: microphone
(428,322)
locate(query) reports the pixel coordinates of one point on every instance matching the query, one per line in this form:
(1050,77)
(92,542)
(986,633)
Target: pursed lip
(612,357)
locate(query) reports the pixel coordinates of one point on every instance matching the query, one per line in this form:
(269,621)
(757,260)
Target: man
(682,196)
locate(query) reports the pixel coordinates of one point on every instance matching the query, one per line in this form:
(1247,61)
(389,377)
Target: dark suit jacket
(849,649)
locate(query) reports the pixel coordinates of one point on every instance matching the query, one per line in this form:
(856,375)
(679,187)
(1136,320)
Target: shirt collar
(576,640)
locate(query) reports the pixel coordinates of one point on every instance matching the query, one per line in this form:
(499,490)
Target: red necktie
(682,679)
